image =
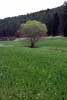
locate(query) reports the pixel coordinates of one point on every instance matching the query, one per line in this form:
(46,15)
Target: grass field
(33,73)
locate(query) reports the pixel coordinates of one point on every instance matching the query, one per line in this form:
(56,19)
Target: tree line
(55,19)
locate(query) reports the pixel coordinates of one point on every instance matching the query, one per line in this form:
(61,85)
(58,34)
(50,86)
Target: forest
(55,19)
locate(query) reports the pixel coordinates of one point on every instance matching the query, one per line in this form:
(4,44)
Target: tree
(33,30)
(65,19)
(55,24)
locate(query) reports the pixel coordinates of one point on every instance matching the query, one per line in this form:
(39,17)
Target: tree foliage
(33,29)
(65,19)
(55,24)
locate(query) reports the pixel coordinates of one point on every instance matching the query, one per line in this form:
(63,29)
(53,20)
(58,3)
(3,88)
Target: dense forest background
(55,19)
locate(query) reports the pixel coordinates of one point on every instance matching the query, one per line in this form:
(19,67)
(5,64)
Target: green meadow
(33,73)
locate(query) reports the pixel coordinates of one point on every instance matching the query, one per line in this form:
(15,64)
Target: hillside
(9,26)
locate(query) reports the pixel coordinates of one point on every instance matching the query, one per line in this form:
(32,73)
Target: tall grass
(33,73)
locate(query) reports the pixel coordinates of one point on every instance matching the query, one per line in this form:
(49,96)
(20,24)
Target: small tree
(33,30)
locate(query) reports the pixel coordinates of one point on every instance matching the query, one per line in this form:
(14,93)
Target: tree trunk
(32,45)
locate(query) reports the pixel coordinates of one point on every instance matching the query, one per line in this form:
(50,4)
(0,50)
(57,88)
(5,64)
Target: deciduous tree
(33,30)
